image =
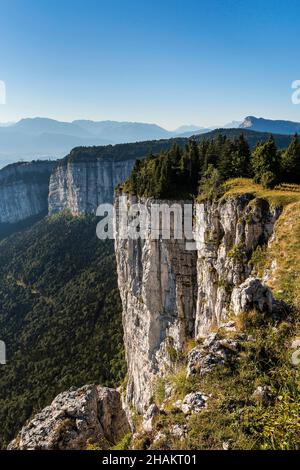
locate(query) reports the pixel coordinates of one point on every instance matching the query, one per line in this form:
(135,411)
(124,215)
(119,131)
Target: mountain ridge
(45,138)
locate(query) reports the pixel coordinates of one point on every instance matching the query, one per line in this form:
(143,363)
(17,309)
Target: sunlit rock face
(81,186)
(171,294)
(227,234)
(157,283)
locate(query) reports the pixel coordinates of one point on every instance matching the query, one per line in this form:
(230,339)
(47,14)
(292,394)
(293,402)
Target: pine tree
(265,163)
(210,183)
(134,177)
(175,156)
(166,171)
(190,176)
(291,161)
(225,164)
(243,150)
(212,154)
(203,147)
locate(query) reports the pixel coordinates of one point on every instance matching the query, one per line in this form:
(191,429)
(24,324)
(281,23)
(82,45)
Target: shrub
(268,180)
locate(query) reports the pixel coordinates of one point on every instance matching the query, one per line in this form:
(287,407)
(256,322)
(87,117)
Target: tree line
(203,167)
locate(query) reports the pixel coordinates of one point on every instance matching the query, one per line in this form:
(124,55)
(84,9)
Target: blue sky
(165,61)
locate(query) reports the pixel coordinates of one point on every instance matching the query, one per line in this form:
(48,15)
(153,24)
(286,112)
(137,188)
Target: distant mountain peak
(232,125)
(188,128)
(270,125)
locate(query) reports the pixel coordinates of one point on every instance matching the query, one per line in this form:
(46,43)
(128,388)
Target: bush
(268,180)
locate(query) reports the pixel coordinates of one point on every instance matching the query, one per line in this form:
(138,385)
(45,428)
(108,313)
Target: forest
(60,316)
(132,151)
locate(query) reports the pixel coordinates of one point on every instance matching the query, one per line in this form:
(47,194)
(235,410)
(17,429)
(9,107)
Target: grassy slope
(284,250)
(280,196)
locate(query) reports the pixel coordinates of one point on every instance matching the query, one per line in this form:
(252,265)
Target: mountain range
(40,138)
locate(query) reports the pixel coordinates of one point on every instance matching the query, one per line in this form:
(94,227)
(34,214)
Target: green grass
(233,416)
(285,251)
(124,444)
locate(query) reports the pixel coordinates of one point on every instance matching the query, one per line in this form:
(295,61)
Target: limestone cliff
(171,294)
(80,186)
(24,190)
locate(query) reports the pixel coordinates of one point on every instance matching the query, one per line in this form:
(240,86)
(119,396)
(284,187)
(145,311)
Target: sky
(171,62)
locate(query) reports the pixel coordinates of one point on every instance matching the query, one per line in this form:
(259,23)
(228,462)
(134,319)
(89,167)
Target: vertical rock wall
(171,294)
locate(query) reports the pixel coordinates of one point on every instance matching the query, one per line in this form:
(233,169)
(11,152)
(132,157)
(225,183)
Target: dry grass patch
(280,196)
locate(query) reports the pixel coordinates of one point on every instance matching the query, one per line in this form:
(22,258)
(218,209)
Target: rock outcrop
(251,295)
(76,418)
(194,403)
(214,351)
(171,294)
(227,234)
(24,190)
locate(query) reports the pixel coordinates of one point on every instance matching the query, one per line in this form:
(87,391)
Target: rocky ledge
(75,419)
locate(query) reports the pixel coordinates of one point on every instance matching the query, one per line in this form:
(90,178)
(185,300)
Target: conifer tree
(266,164)
(291,161)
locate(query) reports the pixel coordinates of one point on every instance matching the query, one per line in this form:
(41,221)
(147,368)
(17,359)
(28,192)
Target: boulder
(214,351)
(194,403)
(251,295)
(296,343)
(179,432)
(151,412)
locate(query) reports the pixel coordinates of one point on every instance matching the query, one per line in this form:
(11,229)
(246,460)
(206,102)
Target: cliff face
(81,186)
(24,191)
(157,283)
(171,295)
(30,189)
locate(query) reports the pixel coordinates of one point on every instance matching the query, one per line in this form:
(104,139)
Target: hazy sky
(164,61)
